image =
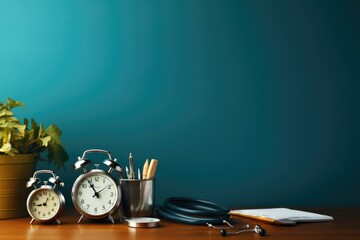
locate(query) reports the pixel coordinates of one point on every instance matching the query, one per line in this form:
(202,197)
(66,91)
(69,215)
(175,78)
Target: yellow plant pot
(14,173)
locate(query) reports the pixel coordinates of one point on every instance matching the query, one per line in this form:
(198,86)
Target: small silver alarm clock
(45,203)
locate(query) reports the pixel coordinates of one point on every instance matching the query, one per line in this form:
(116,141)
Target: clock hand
(93,188)
(44,204)
(104,188)
(98,195)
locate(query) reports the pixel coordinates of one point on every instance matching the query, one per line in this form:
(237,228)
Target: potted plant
(21,145)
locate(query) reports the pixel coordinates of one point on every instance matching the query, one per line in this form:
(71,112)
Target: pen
(131,167)
(127,172)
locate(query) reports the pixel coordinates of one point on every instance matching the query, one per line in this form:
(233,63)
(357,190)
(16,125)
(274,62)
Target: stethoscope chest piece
(142,222)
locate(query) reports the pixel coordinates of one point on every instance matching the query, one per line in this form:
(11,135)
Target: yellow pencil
(152,168)
(145,169)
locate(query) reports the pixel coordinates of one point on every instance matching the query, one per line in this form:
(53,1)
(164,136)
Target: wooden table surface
(345,226)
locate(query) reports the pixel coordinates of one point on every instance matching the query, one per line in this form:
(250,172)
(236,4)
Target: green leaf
(12,119)
(41,129)
(11,125)
(35,129)
(6,148)
(57,154)
(21,129)
(6,136)
(26,123)
(16,136)
(54,132)
(45,140)
(5,112)
(12,103)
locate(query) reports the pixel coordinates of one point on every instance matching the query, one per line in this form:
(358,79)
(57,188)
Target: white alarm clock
(96,194)
(46,203)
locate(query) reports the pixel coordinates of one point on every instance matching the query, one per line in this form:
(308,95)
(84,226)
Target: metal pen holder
(138,197)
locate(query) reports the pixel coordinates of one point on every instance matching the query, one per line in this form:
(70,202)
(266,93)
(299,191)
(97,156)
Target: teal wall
(252,103)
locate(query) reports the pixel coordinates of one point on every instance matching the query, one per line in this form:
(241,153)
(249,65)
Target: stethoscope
(200,212)
(246,228)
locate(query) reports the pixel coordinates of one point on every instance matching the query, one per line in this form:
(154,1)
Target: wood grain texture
(345,226)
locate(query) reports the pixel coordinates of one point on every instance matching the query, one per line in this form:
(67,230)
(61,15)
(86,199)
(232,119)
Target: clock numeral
(95,209)
(45,193)
(82,201)
(49,213)
(109,187)
(111,194)
(54,204)
(84,185)
(80,193)
(87,206)
(52,198)
(103,207)
(96,178)
(109,202)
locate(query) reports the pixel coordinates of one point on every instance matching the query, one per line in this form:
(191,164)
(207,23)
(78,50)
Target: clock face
(44,204)
(96,194)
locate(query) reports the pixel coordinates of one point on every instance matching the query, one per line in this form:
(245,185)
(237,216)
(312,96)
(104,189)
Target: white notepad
(282,215)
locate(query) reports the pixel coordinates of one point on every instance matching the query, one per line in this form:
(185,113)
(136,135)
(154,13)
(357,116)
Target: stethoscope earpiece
(223,232)
(257,229)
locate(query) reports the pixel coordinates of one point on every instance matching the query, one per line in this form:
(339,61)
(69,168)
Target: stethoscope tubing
(195,206)
(193,211)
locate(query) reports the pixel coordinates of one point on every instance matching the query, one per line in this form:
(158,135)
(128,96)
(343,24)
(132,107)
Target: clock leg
(58,221)
(111,219)
(32,220)
(81,218)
